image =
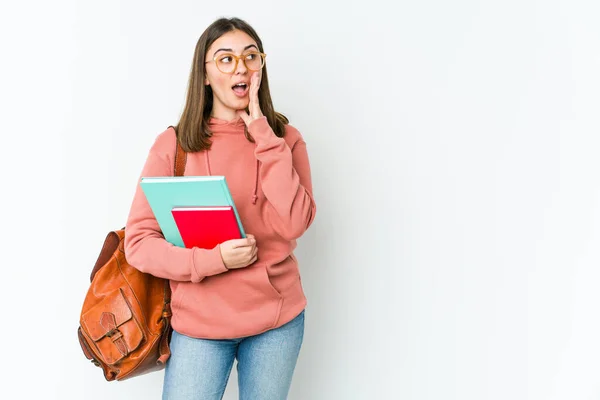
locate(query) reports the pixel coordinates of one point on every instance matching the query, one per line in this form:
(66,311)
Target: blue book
(166,192)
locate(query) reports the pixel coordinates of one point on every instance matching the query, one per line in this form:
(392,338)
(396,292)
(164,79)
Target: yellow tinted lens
(253,60)
(226,62)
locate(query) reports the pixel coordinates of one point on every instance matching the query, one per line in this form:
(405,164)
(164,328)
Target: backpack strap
(180,161)
(180,157)
(111,243)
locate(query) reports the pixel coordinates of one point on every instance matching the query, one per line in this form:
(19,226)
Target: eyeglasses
(253,60)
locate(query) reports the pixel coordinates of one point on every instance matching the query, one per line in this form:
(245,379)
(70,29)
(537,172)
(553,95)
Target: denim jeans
(199,369)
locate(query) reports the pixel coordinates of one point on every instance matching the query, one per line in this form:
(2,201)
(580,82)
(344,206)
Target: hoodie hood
(233,127)
(224,126)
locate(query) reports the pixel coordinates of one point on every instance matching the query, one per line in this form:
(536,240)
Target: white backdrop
(454,151)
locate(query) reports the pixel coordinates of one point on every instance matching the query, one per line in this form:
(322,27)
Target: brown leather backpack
(125,326)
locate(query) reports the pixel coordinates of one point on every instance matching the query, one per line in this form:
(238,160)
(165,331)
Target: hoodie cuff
(207,262)
(261,130)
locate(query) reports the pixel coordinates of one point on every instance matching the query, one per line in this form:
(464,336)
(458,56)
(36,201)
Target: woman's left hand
(253,107)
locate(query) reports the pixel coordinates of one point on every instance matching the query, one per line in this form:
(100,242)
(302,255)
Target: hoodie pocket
(177,295)
(269,283)
(237,303)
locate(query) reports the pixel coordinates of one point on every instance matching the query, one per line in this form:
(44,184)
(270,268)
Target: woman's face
(228,95)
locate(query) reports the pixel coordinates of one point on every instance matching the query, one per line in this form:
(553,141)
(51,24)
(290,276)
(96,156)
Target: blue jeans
(199,368)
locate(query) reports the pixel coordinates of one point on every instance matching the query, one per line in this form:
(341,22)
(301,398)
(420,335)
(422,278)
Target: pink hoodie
(270,183)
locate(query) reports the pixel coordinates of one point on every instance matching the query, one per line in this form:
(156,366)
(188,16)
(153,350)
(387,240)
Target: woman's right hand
(239,253)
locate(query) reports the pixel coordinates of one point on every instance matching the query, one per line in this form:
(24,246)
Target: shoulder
(162,150)
(165,142)
(292,136)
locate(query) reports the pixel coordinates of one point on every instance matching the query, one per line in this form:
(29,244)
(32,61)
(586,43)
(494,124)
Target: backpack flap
(110,324)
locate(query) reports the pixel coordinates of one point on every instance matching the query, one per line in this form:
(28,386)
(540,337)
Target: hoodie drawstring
(254,195)
(207,162)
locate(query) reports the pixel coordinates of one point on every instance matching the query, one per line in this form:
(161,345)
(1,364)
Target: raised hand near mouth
(253,106)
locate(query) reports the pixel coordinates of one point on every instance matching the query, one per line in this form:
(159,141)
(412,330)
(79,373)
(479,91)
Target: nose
(241,67)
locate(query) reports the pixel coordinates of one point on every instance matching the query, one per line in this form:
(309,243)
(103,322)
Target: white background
(454,149)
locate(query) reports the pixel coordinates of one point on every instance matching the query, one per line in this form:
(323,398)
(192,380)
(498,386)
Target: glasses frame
(237,59)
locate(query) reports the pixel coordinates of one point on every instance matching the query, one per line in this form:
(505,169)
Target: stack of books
(193,211)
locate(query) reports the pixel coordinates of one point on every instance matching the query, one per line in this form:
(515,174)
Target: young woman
(242,299)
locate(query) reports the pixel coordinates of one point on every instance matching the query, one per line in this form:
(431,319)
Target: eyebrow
(231,50)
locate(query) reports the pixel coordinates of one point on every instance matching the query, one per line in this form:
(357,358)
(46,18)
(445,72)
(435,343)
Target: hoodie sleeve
(285,180)
(145,246)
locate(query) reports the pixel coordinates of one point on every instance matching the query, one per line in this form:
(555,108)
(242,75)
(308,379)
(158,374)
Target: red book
(205,227)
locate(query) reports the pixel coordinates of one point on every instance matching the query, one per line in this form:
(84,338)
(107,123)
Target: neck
(224,113)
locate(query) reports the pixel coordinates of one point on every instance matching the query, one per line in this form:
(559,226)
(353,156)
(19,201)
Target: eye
(251,56)
(226,59)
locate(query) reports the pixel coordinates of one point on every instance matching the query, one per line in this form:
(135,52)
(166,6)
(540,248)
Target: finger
(247,252)
(255,83)
(252,95)
(257,77)
(255,109)
(236,243)
(244,115)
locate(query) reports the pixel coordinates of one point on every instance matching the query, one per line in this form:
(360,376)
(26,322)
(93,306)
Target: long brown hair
(193,129)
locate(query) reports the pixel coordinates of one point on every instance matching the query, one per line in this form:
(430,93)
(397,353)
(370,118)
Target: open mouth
(240,89)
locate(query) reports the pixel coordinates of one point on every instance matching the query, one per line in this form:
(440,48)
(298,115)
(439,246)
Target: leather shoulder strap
(180,161)
(180,157)
(108,248)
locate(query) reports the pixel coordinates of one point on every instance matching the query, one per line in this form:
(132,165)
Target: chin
(241,104)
